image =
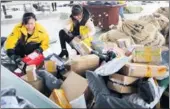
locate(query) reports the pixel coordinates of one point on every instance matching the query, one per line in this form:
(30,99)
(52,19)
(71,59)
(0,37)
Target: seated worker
(26,37)
(79,25)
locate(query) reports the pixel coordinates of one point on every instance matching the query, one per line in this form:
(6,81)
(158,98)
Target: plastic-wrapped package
(9,99)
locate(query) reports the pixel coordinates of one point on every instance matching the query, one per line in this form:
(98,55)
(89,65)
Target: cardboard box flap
(74,86)
(58,96)
(122,79)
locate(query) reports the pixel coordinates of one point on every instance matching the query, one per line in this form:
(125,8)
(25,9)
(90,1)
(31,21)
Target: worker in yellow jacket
(78,25)
(26,37)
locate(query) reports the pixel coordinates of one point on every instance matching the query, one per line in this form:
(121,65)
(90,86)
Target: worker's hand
(70,34)
(18,61)
(39,50)
(15,58)
(82,37)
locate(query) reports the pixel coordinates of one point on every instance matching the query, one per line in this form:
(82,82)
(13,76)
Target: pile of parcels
(123,69)
(84,81)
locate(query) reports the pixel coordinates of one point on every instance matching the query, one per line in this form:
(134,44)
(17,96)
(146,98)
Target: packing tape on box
(162,70)
(148,53)
(148,72)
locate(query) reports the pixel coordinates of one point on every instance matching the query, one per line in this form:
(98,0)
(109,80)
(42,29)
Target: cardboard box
(74,86)
(147,54)
(50,66)
(58,96)
(37,84)
(100,46)
(30,72)
(82,63)
(122,79)
(80,46)
(120,88)
(144,70)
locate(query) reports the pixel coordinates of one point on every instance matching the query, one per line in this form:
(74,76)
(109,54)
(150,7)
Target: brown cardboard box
(74,86)
(58,96)
(144,70)
(82,63)
(31,74)
(122,79)
(147,54)
(80,46)
(37,84)
(120,88)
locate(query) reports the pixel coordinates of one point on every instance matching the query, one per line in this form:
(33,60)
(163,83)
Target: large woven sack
(142,32)
(150,19)
(162,20)
(164,11)
(104,37)
(113,35)
(139,30)
(159,40)
(158,20)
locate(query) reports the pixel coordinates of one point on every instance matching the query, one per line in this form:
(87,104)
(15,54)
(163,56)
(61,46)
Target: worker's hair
(27,16)
(76,10)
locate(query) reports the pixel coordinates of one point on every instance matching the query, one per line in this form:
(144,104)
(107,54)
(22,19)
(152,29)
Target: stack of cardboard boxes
(145,63)
(32,78)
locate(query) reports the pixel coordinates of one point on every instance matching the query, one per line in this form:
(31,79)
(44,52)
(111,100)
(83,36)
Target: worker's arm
(11,41)
(91,28)
(68,25)
(45,42)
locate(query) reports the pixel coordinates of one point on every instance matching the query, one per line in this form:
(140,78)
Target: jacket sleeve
(91,27)
(68,25)
(12,39)
(45,41)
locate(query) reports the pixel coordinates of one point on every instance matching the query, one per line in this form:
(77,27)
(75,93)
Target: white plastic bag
(112,66)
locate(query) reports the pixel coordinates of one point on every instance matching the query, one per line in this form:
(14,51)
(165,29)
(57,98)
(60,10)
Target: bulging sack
(113,36)
(142,32)
(164,11)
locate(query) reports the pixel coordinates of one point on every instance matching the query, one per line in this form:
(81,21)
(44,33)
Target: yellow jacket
(121,1)
(39,36)
(87,31)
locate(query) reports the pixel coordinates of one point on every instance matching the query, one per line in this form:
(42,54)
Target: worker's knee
(62,33)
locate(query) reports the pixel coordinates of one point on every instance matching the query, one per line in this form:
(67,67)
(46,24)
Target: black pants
(54,6)
(23,50)
(3,39)
(65,37)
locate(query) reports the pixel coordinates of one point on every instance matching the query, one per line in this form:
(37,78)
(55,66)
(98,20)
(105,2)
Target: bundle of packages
(164,11)
(121,83)
(144,70)
(142,32)
(147,63)
(147,54)
(113,36)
